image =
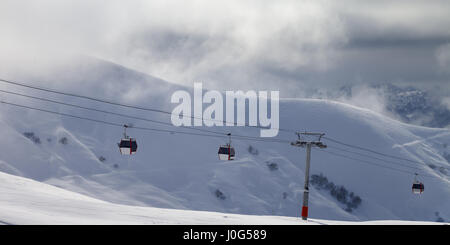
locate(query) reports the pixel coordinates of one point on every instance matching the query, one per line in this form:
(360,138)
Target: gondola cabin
(226,152)
(128,146)
(418,188)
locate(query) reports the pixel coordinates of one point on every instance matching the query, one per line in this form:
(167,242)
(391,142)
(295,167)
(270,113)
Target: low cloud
(443,57)
(446,102)
(291,46)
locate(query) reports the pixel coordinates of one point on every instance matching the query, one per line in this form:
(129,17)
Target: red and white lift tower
(303,142)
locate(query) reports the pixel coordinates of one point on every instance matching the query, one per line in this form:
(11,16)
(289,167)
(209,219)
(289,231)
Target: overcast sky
(279,45)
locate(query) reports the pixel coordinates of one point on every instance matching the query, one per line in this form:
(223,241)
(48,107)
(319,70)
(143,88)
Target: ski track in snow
(5,223)
(32,202)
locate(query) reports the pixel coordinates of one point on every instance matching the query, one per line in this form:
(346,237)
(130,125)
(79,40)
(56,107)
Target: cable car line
(128,145)
(376,164)
(384,160)
(138,118)
(169,113)
(205,135)
(371,151)
(127,105)
(376,158)
(145,128)
(82,96)
(107,112)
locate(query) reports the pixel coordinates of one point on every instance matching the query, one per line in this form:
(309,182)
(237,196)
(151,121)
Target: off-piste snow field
(58,169)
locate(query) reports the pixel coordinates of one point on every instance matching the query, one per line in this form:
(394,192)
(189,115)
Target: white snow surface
(173,173)
(28,202)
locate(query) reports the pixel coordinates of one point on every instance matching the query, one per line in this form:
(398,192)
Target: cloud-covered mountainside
(408,104)
(417,107)
(179,171)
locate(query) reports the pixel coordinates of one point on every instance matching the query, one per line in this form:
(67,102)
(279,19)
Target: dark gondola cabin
(128,146)
(226,152)
(418,188)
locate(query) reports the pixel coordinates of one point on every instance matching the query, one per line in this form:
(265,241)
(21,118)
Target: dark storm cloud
(398,42)
(401,42)
(281,45)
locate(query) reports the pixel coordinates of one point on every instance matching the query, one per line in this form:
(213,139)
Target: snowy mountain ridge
(408,104)
(177,171)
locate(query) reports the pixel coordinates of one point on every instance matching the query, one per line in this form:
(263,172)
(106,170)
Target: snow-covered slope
(24,201)
(182,171)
